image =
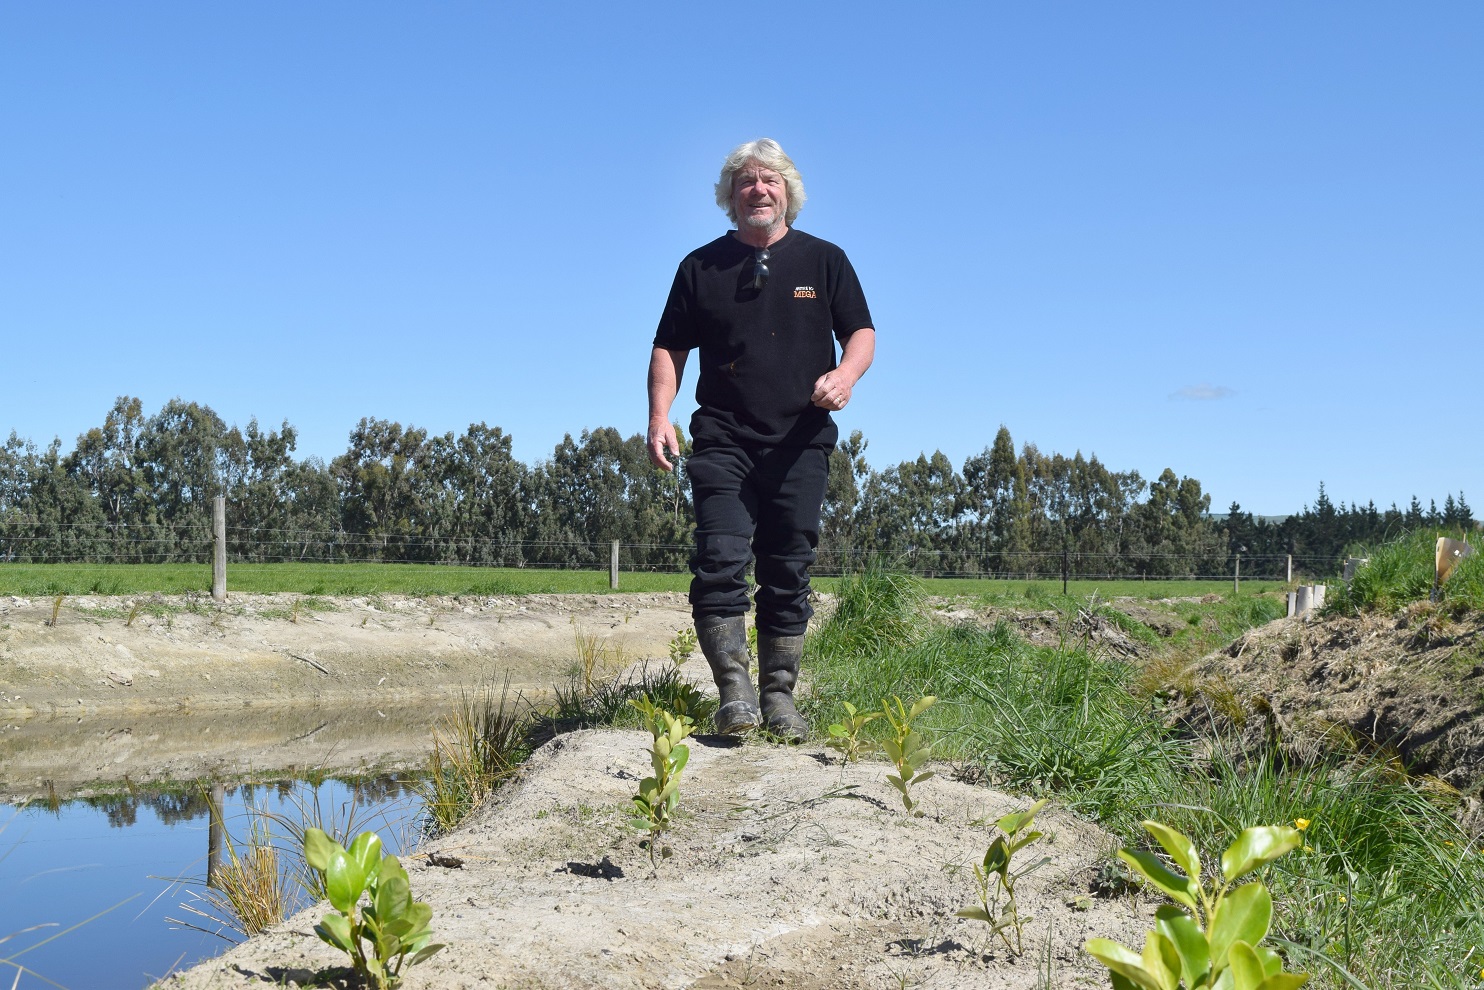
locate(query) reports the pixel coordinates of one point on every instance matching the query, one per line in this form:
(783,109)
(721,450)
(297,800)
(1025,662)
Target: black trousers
(763,504)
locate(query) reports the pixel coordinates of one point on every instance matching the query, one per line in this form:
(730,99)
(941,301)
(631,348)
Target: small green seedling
(997,865)
(56,609)
(845,735)
(907,748)
(682,646)
(1207,938)
(387,932)
(659,795)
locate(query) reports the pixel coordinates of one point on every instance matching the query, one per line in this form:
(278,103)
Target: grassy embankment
(435,579)
(1385,896)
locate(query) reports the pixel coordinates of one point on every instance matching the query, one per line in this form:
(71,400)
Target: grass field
(433,579)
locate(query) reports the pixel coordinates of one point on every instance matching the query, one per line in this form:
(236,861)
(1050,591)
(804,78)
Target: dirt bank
(180,687)
(1410,683)
(787,872)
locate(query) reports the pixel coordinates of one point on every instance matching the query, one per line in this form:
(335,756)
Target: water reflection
(62,861)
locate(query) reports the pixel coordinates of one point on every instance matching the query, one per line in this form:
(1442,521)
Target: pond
(118,882)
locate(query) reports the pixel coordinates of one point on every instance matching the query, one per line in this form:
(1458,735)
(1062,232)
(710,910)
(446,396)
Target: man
(764,305)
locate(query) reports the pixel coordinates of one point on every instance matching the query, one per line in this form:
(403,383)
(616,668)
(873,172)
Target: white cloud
(1203,393)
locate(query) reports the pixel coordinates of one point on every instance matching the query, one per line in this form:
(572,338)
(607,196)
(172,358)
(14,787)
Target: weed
(594,657)
(997,864)
(56,609)
(387,932)
(1207,933)
(659,795)
(134,609)
(846,737)
(907,748)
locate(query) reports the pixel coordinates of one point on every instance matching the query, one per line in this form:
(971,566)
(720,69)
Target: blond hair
(767,153)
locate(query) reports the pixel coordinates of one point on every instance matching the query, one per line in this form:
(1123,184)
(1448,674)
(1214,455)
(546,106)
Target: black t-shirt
(761,350)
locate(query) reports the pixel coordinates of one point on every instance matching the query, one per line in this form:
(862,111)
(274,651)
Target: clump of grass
(477,748)
(249,893)
(876,610)
(607,704)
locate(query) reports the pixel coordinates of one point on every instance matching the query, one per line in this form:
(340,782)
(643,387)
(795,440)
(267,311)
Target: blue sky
(1241,241)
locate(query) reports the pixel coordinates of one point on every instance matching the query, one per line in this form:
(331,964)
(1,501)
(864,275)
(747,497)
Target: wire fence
(191,543)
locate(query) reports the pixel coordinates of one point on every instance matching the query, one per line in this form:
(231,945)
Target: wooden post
(219,548)
(1290,568)
(1063,570)
(1237,577)
(613,567)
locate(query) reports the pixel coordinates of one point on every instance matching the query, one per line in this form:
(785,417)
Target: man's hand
(661,442)
(831,391)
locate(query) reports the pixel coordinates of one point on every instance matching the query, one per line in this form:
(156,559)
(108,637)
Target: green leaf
(344,882)
(1258,846)
(1024,841)
(1017,820)
(393,898)
(997,856)
(1123,962)
(1149,866)
(335,930)
(1242,915)
(1189,941)
(1246,968)
(976,913)
(1161,960)
(921,705)
(1181,849)
(366,851)
(318,848)
(682,756)
(427,952)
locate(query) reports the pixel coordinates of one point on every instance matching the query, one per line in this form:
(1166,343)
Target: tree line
(139,488)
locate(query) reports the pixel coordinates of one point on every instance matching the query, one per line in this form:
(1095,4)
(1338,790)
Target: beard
(770,223)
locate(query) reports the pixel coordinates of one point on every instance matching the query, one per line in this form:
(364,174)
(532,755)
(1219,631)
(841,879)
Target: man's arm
(832,390)
(665,370)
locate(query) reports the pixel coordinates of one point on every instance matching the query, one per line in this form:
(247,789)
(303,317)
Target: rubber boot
(723,640)
(778,672)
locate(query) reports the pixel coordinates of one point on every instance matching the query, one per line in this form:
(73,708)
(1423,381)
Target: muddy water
(112,814)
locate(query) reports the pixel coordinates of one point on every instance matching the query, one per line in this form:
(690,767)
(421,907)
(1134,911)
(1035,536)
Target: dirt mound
(787,872)
(1411,683)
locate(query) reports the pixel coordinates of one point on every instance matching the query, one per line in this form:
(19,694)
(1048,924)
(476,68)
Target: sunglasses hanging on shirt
(760,268)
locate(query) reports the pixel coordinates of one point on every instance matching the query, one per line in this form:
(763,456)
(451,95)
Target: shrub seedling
(682,646)
(845,735)
(56,609)
(907,748)
(1207,938)
(385,933)
(659,795)
(997,865)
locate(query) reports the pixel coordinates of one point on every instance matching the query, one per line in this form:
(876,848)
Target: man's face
(759,196)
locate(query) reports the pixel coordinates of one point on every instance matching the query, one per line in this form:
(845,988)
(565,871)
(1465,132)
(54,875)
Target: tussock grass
(1387,895)
(478,747)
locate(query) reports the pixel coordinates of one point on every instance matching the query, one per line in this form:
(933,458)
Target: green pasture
(438,579)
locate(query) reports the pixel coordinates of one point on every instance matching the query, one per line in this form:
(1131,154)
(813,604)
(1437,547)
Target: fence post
(1237,577)
(1290,568)
(613,568)
(1063,570)
(219,548)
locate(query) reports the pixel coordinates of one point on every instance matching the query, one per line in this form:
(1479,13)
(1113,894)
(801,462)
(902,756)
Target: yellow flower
(1344,899)
(1301,823)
